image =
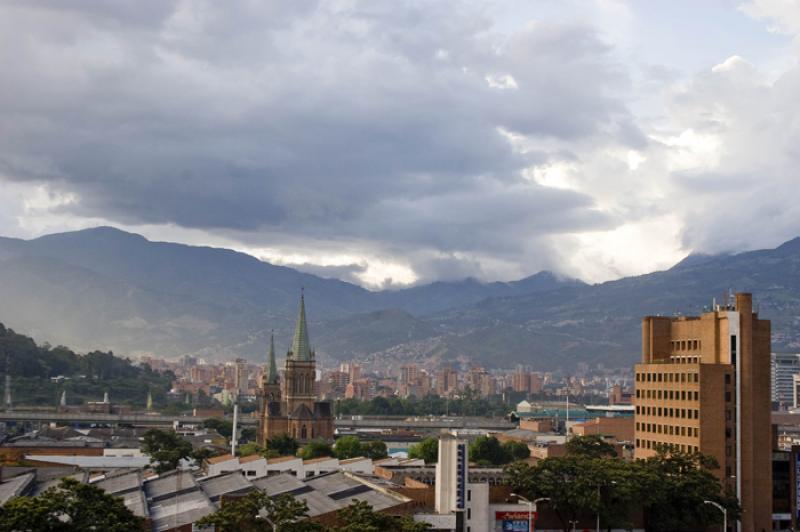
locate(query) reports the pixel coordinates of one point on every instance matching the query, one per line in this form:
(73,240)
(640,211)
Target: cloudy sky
(394,142)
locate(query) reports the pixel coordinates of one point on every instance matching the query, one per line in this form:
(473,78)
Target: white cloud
(782,15)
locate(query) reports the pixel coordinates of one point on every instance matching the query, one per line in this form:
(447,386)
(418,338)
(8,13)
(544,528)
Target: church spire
(272,369)
(301,350)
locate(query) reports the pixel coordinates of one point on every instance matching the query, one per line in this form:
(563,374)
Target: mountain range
(103,288)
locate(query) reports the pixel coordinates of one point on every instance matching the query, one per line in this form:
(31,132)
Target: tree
(670,487)
(516,450)
(315,449)
(246,449)
(360,517)
(347,447)
(202,454)
(247,434)
(165,448)
(69,506)
(678,483)
(222,426)
(488,450)
(427,450)
(375,450)
(283,444)
(567,481)
(257,511)
(592,446)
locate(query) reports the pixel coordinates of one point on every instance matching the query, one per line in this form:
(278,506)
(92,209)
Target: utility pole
(234,436)
(7,398)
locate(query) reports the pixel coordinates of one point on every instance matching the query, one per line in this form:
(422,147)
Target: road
(424,424)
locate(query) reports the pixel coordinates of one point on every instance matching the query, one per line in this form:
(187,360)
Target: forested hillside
(40,373)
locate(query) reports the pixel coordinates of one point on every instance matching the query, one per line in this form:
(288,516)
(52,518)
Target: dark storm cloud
(370,121)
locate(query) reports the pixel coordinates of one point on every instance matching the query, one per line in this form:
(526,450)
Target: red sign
(514,516)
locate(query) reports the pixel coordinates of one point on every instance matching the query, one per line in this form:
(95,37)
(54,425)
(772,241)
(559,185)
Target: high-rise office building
(240,377)
(524,381)
(704,385)
(784,366)
(447,382)
(480,381)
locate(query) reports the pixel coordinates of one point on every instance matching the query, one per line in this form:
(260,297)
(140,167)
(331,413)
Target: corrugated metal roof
(121,483)
(277,484)
(92,462)
(135,502)
(180,510)
(15,487)
(225,484)
(318,503)
(169,484)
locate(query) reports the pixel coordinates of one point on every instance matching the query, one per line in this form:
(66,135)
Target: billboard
(515,521)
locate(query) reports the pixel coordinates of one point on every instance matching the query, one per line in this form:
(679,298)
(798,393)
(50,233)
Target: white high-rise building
(784,367)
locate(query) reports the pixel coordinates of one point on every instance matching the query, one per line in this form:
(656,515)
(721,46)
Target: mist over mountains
(104,288)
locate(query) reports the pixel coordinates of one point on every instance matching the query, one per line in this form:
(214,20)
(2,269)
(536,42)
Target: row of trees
(469,404)
(166,449)
(484,451)
(667,490)
(256,511)
(344,448)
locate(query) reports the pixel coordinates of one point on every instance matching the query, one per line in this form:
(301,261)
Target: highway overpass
(421,424)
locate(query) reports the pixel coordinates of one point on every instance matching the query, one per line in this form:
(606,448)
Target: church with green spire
(290,406)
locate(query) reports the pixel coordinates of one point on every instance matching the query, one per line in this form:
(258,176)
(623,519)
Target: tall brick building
(292,408)
(704,385)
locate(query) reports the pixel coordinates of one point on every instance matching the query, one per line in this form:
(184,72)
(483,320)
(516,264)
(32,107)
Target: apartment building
(704,385)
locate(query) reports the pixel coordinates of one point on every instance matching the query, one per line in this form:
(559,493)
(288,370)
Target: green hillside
(40,373)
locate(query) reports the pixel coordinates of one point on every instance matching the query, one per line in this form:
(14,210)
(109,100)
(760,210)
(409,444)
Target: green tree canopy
(360,517)
(71,506)
(257,511)
(677,485)
(488,450)
(87,376)
(222,426)
(670,487)
(202,454)
(592,446)
(517,450)
(347,447)
(247,449)
(375,450)
(427,449)
(165,449)
(283,444)
(315,449)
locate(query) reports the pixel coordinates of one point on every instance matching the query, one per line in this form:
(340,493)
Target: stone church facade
(291,407)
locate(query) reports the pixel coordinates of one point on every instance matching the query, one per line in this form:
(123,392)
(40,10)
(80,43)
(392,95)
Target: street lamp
(531,507)
(724,513)
(599,503)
